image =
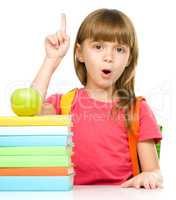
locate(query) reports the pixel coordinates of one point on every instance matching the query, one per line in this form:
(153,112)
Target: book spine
(37,171)
(52,120)
(35,130)
(36,183)
(33,151)
(46,140)
(35,161)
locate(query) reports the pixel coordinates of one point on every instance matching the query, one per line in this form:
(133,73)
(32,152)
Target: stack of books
(35,153)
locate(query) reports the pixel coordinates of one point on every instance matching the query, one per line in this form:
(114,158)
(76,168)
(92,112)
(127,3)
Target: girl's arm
(151,177)
(148,156)
(56,46)
(43,77)
(149,133)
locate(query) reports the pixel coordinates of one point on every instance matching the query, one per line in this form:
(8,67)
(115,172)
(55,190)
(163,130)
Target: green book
(35,161)
(35,151)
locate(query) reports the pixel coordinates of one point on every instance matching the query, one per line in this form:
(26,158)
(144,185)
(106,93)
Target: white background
(24,25)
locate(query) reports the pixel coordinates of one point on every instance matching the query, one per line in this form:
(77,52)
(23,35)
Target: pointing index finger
(63,23)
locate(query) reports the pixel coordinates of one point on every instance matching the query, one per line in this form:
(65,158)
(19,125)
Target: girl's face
(104,61)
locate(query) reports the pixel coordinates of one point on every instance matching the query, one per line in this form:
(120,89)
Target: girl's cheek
(124,61)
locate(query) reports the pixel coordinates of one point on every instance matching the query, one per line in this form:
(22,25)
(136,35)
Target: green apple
(26,102)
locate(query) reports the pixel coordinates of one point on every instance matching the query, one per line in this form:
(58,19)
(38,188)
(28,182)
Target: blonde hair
(113,26)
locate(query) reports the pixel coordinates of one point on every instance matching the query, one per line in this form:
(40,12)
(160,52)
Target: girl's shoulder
(149,127)
(68,98)
(145,107)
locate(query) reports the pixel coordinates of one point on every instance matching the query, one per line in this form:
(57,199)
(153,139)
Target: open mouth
(106,74)
(106,71)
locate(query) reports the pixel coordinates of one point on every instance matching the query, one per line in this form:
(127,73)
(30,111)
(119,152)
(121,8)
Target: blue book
(36,183)
(37,140)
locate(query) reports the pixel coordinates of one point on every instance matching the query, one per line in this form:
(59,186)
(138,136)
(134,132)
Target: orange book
(36,171)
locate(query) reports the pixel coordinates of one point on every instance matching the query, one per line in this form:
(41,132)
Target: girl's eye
(120,50)
(98,46)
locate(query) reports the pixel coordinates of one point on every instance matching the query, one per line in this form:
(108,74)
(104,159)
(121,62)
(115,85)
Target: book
(35,140)
(37,171)
(36,183)
(44,120)
(35,130)
(36,151)
(35,161)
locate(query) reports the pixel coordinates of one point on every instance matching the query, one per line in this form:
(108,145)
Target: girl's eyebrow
(123,45)
(94,41)
(116,44)
(102,41)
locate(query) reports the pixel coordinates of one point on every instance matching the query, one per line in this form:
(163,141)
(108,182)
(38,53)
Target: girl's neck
(101,94)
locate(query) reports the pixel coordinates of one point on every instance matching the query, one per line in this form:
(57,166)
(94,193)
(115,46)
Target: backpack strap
(133,137)
(66,101)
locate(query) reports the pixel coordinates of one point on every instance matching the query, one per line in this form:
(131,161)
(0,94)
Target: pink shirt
(101,152)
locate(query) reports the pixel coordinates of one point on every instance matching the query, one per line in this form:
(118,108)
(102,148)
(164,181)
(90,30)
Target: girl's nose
(108,56)
(108,59)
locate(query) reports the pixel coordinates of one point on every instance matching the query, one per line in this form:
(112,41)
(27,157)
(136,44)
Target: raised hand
(56,45)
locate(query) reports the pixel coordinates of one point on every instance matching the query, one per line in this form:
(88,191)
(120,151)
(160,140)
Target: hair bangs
(110,31)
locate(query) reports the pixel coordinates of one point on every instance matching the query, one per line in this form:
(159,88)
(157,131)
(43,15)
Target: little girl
(105,59)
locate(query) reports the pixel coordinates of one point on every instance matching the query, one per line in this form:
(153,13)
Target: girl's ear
(79,53)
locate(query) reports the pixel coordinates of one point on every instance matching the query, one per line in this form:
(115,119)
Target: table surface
(91,193)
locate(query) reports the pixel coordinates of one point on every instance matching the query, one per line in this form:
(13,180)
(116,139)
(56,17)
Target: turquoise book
(36,183)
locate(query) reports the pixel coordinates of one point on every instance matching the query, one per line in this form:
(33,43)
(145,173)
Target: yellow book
(44,120)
